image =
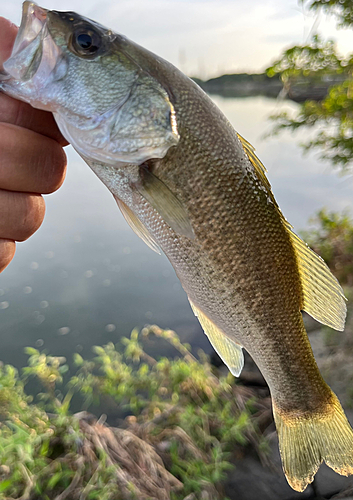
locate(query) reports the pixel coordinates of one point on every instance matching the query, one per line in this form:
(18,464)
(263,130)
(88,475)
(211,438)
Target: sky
(205,38)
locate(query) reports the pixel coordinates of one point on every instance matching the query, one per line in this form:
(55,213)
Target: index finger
(8,32)
(17,112)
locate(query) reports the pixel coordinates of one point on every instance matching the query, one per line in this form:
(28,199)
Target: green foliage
(342,9)
(178,406)
(317,61)
(49,370)
(38,452)
(331,236)
(333,116)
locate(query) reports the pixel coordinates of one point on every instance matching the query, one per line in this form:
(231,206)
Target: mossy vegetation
(183,423)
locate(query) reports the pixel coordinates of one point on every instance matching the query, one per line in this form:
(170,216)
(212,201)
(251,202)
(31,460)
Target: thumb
(8,32)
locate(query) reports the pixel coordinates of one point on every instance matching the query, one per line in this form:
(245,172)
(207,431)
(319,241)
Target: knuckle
(7,251)
(12,110)
(55,168)
(32,211)
(3,129)
(38,163)
(8,108)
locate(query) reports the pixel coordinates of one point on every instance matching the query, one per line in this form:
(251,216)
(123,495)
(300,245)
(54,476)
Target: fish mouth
(26,53)
(32,23)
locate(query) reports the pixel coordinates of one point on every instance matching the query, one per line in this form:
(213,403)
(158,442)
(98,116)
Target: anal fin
(229,351)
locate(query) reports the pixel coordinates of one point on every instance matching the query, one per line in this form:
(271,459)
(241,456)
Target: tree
(314,62)
(342,9)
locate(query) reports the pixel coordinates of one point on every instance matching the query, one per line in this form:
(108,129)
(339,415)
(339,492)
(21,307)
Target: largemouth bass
(192,187)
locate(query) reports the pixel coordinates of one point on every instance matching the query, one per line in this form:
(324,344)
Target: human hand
(32,161)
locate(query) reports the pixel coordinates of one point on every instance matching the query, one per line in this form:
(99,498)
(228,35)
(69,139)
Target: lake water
(85,278)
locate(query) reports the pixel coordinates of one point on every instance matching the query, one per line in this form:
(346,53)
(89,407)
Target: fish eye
(85,42)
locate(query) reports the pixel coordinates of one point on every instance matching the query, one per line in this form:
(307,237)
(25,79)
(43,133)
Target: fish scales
(188,184)
(241,266)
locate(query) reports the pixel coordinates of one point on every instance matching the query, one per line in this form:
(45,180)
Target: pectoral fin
(230,352)
(165,203)
(137,226)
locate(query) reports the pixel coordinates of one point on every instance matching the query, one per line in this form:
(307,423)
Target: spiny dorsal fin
(230,352)
(137,226)
(257,163)
(260,171)
(323,297)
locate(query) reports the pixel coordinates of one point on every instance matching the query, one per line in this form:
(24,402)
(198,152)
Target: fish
(190,186)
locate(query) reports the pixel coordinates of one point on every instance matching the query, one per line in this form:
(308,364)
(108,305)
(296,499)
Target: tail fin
(305,442)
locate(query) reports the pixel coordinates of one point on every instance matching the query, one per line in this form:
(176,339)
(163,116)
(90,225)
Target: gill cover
(106,105)
(139,127)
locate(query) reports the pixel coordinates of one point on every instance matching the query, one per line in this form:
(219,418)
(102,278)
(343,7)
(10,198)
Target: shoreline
(250,85)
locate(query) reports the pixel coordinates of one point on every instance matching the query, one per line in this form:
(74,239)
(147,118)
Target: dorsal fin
(323,297)
(258,165)
(260,171)
(230,352)
(137,226)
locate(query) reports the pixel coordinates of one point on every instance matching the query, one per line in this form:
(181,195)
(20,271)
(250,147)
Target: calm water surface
(85,278)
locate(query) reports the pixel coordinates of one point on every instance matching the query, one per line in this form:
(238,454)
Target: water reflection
(85,278)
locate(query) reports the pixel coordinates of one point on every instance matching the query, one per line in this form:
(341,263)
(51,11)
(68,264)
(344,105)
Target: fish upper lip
(32,22)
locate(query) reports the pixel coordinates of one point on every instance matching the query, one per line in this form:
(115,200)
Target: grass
(183,424)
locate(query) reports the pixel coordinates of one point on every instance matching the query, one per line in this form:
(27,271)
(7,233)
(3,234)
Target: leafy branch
(333,116)
(341,9)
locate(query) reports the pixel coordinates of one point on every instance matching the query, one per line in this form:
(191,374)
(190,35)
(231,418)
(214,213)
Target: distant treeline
(245,84)
(239,78)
